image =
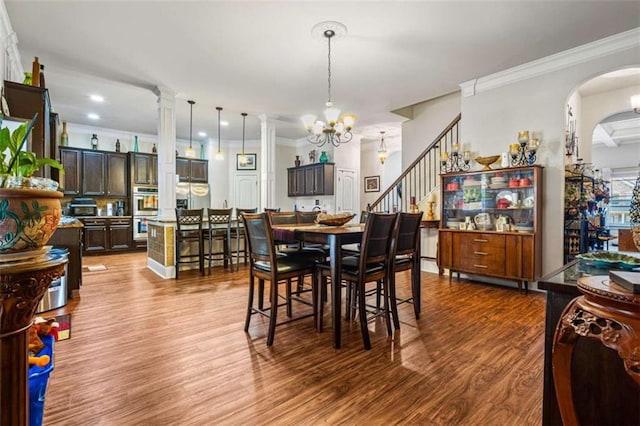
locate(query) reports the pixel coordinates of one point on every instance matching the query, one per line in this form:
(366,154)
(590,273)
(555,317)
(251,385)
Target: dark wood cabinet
(190,170)
(24,102)
(71,160)
(95,235)
(144,168)
(120,232)
(107,234)
(312,179)
(93,173)
(295,179)
(116,174)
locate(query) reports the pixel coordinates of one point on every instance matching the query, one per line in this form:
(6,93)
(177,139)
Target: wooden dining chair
(307,217)
(219,229)
(237,233)
(189,231)
(372,265)
(405,251)
(267,265)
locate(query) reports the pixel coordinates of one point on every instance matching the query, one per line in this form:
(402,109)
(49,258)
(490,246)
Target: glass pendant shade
(331,114)
(382,150)
(308,120)
(190,152)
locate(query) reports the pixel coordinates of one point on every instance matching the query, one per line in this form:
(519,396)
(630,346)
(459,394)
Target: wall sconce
(523,153)
(454,161)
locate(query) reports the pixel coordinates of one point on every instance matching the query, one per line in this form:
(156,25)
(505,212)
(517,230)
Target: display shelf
(489,230)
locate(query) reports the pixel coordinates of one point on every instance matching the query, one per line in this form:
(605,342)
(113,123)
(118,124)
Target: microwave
(83,207)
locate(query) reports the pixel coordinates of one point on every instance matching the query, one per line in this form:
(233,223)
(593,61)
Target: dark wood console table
(600,389)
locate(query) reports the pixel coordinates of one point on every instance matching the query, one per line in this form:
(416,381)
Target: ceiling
(260,57)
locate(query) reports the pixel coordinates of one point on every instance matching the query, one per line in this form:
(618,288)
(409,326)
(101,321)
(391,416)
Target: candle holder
(454,161)
(523,153)
(430,213)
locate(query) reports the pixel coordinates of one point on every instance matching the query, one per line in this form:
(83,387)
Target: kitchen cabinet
(71,160)
(192,170)
(93,173)
(116,178)
(107,234)
(24,102)
(144,168)
(70,237)
(311,179)
(491,223)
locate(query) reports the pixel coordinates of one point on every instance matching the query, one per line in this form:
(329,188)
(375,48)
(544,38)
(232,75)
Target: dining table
(335,237)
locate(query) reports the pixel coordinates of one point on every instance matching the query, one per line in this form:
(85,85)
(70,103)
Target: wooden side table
(21,288)
(609,314)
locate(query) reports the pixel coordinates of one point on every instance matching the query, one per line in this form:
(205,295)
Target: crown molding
(558,61)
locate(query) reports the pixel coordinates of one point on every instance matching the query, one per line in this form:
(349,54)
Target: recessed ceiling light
(202,134)
(224,123)
(92,116)
(97,98)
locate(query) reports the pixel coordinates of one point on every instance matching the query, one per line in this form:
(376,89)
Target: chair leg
(314,298)
(274,312)
(362,310)
(210,251)
(288,298)
(387,316)
(247,320)
(378,294)
(322,299)
(416,290)
(201,254)
(393,300)
(261,294)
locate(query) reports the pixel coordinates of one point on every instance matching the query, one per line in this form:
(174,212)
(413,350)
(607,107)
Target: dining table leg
(335,262)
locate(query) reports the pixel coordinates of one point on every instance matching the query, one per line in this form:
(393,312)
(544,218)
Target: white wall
(429,119)
(493,118)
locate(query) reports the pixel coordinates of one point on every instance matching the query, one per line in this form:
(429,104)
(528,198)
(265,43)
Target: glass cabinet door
(502,200)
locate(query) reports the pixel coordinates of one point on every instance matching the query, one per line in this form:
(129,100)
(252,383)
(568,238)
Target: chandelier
(336,129)
(382,150)
(190,152)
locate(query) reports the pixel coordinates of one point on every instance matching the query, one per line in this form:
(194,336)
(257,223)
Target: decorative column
(21,288)
(267,163)
(166,153)
(11,65)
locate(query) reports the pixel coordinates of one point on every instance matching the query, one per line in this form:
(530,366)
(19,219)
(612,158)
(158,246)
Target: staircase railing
(421,177)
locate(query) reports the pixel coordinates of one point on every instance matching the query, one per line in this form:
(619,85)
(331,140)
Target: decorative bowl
(610,260)
(338,219)
(487,161)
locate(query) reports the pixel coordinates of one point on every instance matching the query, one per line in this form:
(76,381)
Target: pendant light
(190,152)
(219,155)
(243,158)
(382,151)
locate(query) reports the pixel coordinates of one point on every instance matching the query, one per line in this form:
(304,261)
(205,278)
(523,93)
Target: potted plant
(29,206)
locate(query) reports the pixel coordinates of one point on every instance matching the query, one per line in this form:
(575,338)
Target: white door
(245,190)
(347,193)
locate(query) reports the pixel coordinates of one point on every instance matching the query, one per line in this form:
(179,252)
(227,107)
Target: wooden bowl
(487,161)
(334,220)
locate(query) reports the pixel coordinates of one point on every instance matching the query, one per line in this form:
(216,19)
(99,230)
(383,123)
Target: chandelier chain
(329,70)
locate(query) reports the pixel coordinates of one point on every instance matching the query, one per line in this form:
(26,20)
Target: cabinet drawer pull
(478,240)
(480,266)
(481,253)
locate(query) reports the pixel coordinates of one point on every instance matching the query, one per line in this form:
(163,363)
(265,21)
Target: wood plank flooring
(149,351)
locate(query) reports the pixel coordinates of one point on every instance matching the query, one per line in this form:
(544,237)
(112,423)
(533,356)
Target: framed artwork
(250,164)
(372,184)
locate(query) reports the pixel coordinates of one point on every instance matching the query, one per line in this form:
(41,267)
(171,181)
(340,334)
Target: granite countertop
(67,222)
(104,217)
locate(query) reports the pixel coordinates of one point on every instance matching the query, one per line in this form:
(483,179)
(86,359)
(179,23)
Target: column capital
(164,92)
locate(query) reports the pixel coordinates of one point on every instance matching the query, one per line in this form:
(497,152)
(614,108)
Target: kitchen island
(69,235)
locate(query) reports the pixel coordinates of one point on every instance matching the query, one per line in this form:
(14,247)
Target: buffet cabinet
(491,223)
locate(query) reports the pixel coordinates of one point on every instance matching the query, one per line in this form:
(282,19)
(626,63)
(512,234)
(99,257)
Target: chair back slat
(186,219)
(408,232)
(376,239)
(259,236)
(282,218)
(219,216)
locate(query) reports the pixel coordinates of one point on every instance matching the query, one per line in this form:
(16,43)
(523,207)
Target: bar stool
(219,229)
(189,230)
(238,234)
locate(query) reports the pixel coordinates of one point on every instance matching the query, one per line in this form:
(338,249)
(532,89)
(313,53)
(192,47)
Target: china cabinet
(491,223)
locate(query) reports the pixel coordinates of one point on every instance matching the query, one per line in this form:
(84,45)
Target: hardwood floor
(149,351)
